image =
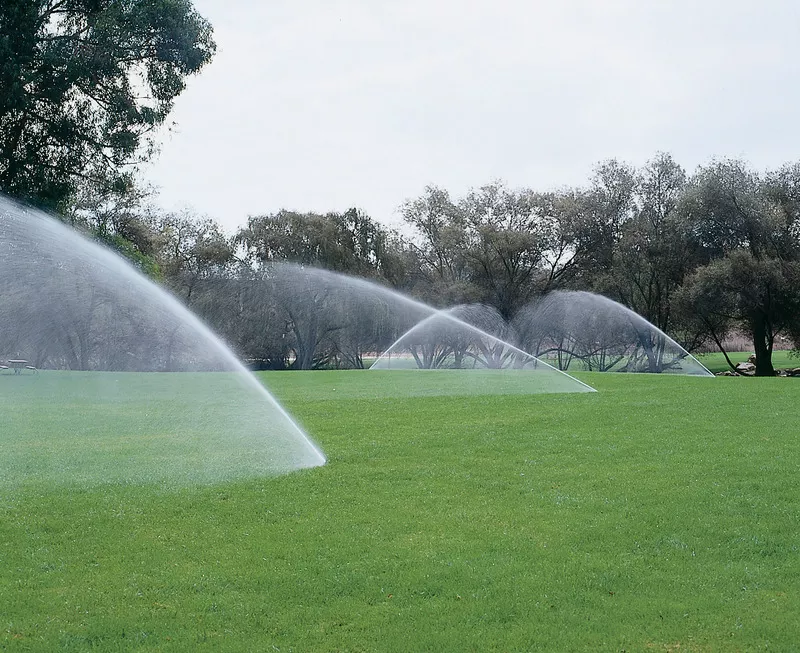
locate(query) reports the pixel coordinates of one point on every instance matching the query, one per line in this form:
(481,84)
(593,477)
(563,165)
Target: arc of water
(439,313)
(670,340)
(579,299)
(30,232)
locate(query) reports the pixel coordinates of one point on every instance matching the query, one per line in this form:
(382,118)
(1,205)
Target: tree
(759,296)
(349,242)
(495,245)
(729,208)
(744,228)
(507,240)
(242,306)
(85,83)
(442,274)
(322,325)
(190,250)
(782,188)
(606,205)
(654,252)
(123,221)
(563,224)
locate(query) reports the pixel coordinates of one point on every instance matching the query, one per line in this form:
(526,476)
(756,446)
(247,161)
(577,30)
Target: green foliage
(728,210)
(440,273)
(640,237)
(494,245)
(507,239)
(303,316)
(653,252)
(121,220)
(125,248)
(759,296)
(84,83)
(191,250)
(348,242)
(608,521)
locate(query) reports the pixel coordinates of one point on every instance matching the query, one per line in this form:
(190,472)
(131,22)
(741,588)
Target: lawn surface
(658,514)
(88,428)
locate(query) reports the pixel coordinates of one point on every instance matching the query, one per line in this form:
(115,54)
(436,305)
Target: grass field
(658,514)
(88,428)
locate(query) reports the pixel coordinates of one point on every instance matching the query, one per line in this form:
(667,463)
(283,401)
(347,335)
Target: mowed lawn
(658,514)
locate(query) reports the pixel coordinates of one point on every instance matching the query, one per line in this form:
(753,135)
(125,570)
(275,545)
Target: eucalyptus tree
(84,85)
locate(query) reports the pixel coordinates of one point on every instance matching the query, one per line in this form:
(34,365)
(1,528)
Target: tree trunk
(459,358)
(762,348)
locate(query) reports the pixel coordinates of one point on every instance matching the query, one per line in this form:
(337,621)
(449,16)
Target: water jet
(132,387)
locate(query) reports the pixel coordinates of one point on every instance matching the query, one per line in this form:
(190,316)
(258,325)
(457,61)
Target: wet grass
(87,428)
(658,514)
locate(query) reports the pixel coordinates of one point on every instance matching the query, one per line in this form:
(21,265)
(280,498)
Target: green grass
(716,362)
(658,514)
(88,428)
(406,383)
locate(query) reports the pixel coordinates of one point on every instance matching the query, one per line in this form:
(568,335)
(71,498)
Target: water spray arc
(462,346)
(583,330)
(181,407)
(343,303)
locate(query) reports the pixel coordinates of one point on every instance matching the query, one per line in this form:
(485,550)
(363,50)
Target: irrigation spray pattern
(580,330)
(135,388)
(449,340)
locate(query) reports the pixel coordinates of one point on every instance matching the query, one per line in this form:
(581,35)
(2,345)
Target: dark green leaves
(84,84)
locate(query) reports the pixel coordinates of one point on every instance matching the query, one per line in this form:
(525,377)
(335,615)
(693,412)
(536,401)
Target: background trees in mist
(701,256)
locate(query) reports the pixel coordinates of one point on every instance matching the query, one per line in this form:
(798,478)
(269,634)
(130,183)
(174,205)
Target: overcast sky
(323,105)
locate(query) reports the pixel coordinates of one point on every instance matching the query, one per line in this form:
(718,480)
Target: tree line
(700,256)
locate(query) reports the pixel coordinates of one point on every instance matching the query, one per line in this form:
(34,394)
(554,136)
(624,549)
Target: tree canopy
(84,84)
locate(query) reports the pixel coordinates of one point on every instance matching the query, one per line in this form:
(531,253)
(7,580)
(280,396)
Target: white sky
(320,105)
